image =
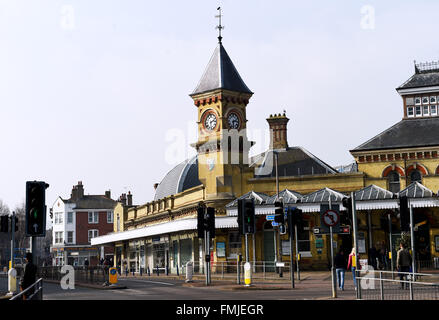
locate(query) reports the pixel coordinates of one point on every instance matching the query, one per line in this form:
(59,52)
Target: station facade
(402,160)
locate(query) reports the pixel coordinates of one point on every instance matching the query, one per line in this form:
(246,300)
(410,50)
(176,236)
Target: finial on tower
(219,26)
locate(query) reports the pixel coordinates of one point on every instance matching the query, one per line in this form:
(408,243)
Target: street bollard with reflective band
(247,274)
(112,274)
(12,281)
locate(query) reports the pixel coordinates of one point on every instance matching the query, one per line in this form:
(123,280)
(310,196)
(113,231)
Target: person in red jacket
(353,264)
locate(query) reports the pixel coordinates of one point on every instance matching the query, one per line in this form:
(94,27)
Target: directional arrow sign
(35,227)
(270,217)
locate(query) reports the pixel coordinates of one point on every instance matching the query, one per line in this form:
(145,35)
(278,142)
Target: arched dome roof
(180,178)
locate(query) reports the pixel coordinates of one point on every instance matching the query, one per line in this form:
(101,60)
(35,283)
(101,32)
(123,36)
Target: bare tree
(5,243)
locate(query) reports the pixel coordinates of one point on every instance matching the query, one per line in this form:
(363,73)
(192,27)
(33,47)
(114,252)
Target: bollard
(189,271)
(148,271)
(158,271)
(177,271)
(12,281)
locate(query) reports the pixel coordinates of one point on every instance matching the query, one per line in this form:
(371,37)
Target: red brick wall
(82,226)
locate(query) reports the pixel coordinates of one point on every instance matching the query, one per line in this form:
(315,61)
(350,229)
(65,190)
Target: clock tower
(221,98)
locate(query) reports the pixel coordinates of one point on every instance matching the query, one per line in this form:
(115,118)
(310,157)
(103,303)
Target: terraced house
(402,160)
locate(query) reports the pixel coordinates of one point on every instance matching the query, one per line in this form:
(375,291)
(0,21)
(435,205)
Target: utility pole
(277,198)
(412,240)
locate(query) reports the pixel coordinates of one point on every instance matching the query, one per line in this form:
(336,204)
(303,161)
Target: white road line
(149,281)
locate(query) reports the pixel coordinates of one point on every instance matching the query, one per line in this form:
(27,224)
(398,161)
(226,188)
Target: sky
(98,91)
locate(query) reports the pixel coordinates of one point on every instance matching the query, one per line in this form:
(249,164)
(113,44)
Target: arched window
(394,185)
(415,175)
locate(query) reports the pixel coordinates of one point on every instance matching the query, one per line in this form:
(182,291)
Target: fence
(34,292)
(387,285)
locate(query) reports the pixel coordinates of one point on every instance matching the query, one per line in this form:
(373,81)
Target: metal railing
(33,292)
(387,285)
(91,275)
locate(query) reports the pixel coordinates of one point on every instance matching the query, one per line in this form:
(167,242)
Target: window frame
(412,109)
(94,233)
(94,217)
(426,114)
(68,234)
(70,214)
(435,110)
(111,215)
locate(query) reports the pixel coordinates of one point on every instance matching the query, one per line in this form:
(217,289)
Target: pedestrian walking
(29,277)
(340,263)
(403,263)
(353,265)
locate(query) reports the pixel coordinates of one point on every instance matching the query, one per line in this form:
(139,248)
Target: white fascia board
(421,90)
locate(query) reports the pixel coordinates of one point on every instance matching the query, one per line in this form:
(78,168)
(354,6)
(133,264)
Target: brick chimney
(278,131)
(108,194)
(130,198)
(77,191)
(123,199)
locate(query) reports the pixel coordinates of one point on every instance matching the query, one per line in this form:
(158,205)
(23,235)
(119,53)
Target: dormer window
(433,110)
(433,99)
(410,112)
(418,100)
(418,111)
(424,100)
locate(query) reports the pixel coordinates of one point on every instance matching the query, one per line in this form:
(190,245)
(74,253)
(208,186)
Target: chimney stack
(130,198)
(108,194)
(123,199)
(278,131)
(155,186)
(80,188)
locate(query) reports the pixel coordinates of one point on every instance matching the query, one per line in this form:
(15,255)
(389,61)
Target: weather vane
(219,27)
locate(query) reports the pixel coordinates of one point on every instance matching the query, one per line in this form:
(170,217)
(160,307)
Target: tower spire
(219,26)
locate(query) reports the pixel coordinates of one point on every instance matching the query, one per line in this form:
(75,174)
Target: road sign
(274,224)
(330,218)
(270,217)
(316,230)
(113,275)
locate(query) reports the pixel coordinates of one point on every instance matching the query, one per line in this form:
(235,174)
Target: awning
(162,228)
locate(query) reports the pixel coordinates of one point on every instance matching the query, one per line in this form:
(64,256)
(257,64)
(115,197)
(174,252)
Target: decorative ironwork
(426,66)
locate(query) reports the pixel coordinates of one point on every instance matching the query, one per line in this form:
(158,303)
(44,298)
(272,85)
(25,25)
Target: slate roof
(288,196)
(322,195)
(220,73)
(180,178)
(421,79)
(260,198)
(94,202)
(416,190)
(293,161)
(406,133)
(373,192)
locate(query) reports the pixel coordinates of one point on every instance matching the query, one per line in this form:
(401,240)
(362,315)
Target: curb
(91,286)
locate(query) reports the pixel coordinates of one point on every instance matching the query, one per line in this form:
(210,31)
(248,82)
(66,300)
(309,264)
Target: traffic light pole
(246,248)
(291,252)
(355,227)
(391,246)
(12,238)
(297,251)
(333,276)
(412,240)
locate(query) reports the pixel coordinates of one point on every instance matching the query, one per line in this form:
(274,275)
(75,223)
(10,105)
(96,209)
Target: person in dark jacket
(29,277)
(340,263)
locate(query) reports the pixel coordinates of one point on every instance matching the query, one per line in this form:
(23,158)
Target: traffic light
(209,221)
(36,208)
(200,219)
(294,217)
(279,215)
(347,203)
(246,216)
(206,221)
(404,213)
(4,225)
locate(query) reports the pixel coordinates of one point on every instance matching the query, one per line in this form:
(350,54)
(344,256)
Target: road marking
(143,281)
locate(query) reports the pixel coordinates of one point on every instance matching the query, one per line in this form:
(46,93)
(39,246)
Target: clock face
(210,121)
(233,121)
